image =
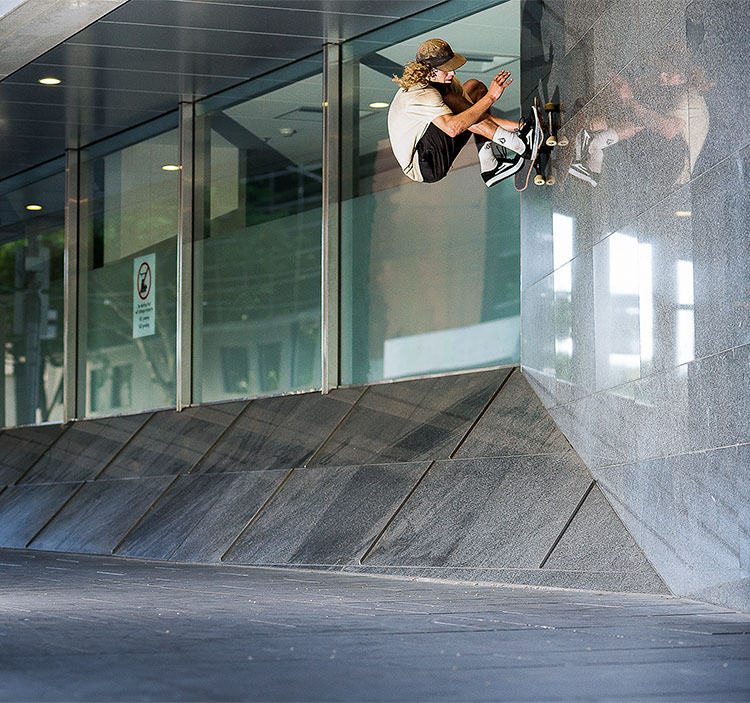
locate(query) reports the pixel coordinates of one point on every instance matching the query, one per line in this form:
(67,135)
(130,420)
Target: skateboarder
(433,115)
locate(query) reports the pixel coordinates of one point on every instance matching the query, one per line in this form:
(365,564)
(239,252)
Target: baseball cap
(438,54)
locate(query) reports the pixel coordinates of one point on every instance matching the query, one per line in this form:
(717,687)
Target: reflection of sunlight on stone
(685,295)
(624,361)
(562,279)
(623,269)
(646,301)
(685,337)
(564,346)
(562,239)
(685,316)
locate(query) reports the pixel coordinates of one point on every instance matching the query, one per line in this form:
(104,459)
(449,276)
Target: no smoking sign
(144,296)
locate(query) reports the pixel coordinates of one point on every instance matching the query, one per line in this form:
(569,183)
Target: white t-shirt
(409,116)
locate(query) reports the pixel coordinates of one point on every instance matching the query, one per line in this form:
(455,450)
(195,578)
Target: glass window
(257,257)
(32,242)
(430,272)
(128,264)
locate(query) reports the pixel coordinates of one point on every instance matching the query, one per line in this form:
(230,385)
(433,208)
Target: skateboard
(551,127)
(521,178)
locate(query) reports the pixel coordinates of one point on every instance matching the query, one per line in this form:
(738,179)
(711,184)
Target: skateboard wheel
(551,141)
(539,180)
(549,107)
(550,181)
(562,141)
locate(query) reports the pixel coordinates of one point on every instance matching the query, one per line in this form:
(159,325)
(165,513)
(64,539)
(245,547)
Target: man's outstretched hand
(498,84)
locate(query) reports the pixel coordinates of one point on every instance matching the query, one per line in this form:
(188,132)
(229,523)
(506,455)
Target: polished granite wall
(636,271)
(464,477)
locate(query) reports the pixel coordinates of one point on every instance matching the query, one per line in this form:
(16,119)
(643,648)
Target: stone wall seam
(39,458)
(652,375)
(145,514)
(55,514)
(567,524)
(482,412)
(369,550)
(257,514)
(122,448)
(336,428)
(219,438)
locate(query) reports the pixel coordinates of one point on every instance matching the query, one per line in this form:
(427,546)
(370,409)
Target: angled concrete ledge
(327,515)
(25,510)
(229,483)
(22,447)
(279,433)
(100,515)
(200,516)
(499,513)
(85,449)
(172,443)
(417,420)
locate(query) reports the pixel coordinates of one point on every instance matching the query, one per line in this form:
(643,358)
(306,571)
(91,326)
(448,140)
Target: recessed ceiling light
(170,167)
(50,81)
(683,213)
(378,106)
(33,207)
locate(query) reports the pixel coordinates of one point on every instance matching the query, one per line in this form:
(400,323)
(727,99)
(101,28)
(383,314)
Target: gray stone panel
(411,420)
(720,212)
(719,48)
(734,594)
(20,447)
(280,433)
(538,336)
(686,513)
(327,515)
(597,541)
(485,513)
(85,449)
(200,516)
(720,398)
(515,423)
(100,515)
(24,510)
(173,442)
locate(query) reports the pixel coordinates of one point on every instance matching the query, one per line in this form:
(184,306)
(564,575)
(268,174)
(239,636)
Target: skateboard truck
(554,125)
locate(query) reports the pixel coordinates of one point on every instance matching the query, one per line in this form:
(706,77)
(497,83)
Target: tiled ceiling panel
(144,57)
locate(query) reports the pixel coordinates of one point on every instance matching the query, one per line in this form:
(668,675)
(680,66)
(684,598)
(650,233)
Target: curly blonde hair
(415,73)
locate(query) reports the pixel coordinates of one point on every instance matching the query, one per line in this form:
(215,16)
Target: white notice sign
(144,296)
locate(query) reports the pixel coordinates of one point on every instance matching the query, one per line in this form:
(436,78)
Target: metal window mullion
(70,285)
(183,347)
(331,216)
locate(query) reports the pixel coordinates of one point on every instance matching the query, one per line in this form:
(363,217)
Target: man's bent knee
(475,89)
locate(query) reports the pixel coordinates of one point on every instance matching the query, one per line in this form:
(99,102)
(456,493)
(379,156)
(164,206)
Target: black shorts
(437,151)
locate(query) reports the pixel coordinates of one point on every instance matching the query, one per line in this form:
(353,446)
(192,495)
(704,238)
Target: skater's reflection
(669,103)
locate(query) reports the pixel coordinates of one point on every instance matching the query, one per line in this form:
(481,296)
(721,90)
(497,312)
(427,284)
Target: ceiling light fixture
(171,167)
(683,213)
(50,81)
(34,207)
(378,105)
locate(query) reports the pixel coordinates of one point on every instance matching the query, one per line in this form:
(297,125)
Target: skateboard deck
(521,179)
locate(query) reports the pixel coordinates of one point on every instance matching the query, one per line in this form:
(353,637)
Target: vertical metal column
(70,285)
(331,215)
(185,258)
